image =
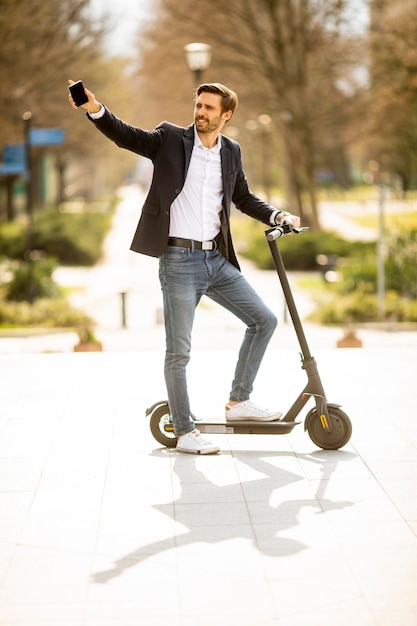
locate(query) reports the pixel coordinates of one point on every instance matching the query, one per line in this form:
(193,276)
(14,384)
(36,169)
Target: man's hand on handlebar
(285,229)
(283,217)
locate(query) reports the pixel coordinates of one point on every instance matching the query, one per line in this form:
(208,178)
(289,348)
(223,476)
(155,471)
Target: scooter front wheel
(161,426)
(341,428)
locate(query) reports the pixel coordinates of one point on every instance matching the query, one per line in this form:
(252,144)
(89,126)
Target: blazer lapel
(188,141)
(225,156)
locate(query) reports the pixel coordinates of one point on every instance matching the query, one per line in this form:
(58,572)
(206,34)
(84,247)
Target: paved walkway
(100,526)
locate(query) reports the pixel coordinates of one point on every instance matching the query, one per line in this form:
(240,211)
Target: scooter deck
(246,427)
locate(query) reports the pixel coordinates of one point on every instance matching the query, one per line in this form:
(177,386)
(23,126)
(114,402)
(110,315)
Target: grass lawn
(407,221)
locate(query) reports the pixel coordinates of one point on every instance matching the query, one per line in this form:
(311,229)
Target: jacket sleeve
(143,142)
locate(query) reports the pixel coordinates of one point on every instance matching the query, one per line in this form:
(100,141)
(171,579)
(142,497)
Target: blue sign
(12,169)
(14,160)
(14,154)
(46,136)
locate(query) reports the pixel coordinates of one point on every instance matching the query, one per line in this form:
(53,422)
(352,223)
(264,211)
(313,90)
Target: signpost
(14,155)
(14,160)
(27,121)
(18,162)
(46,136)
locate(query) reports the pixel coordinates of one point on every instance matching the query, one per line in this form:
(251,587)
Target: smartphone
(78,94)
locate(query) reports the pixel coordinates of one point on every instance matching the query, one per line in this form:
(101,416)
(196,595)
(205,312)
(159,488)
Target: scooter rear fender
(155,406)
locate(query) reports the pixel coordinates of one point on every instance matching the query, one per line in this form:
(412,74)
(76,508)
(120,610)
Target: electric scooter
(327,425)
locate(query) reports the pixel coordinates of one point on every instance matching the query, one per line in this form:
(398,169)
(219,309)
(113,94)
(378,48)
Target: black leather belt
(191,243)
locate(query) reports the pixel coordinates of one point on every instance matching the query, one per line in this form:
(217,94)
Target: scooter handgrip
(275,234)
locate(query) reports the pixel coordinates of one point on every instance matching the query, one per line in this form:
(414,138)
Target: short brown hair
(229,97)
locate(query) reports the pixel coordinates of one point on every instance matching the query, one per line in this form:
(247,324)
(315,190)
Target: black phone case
(78,94)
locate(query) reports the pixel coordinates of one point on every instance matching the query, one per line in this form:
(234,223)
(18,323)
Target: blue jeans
(186,275)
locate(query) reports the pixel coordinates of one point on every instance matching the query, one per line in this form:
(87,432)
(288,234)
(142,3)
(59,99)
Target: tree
(35,54)
(42,44)
(285,58)
(392,97)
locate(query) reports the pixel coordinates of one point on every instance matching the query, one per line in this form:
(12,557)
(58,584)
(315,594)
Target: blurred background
(327,122)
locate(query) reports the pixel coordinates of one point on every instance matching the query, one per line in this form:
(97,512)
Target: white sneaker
(247,410)
(194,443)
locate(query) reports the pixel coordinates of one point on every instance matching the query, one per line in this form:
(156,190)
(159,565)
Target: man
(185,222)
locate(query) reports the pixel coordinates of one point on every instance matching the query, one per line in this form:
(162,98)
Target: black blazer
(169,147)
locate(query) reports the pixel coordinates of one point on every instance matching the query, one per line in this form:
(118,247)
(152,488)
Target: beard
(207,126)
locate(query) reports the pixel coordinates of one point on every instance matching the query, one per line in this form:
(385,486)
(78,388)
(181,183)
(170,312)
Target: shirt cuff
(272,218)
(96,116)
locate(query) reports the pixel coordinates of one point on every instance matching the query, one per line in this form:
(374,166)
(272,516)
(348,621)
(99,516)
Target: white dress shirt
(195,213)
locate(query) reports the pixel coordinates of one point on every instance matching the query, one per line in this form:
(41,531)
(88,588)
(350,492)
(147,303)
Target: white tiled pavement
(100,526)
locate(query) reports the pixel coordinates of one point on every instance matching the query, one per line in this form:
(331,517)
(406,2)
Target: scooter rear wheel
(161,425)
(341,429)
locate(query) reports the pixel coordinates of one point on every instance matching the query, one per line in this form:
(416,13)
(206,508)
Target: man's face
(208,116)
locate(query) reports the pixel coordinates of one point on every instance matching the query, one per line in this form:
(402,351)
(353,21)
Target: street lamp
(27,121)
(374,167)
(198,57)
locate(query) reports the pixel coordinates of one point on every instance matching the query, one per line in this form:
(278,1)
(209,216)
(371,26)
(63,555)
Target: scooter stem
(314,387)
(279,266)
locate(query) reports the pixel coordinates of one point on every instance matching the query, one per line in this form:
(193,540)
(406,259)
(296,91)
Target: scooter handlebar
(284,229)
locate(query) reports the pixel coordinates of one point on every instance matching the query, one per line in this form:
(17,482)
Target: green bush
(299,252)
(360,272)
(353,299)
(44,313)
(61,238)
(362,306)
(33,299)
(72,238)
(13,240)
(401,263)
(33,280)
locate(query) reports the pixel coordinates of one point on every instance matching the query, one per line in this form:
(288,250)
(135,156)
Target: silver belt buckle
(207,245)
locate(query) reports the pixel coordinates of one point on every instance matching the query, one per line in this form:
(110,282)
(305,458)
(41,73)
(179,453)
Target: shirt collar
(198,143)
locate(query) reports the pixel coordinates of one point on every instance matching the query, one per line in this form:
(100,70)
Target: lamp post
(375,169)
(381,252)
(198,57)
(27,121)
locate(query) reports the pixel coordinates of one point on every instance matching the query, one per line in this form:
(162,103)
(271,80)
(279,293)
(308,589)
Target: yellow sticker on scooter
(324,421)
